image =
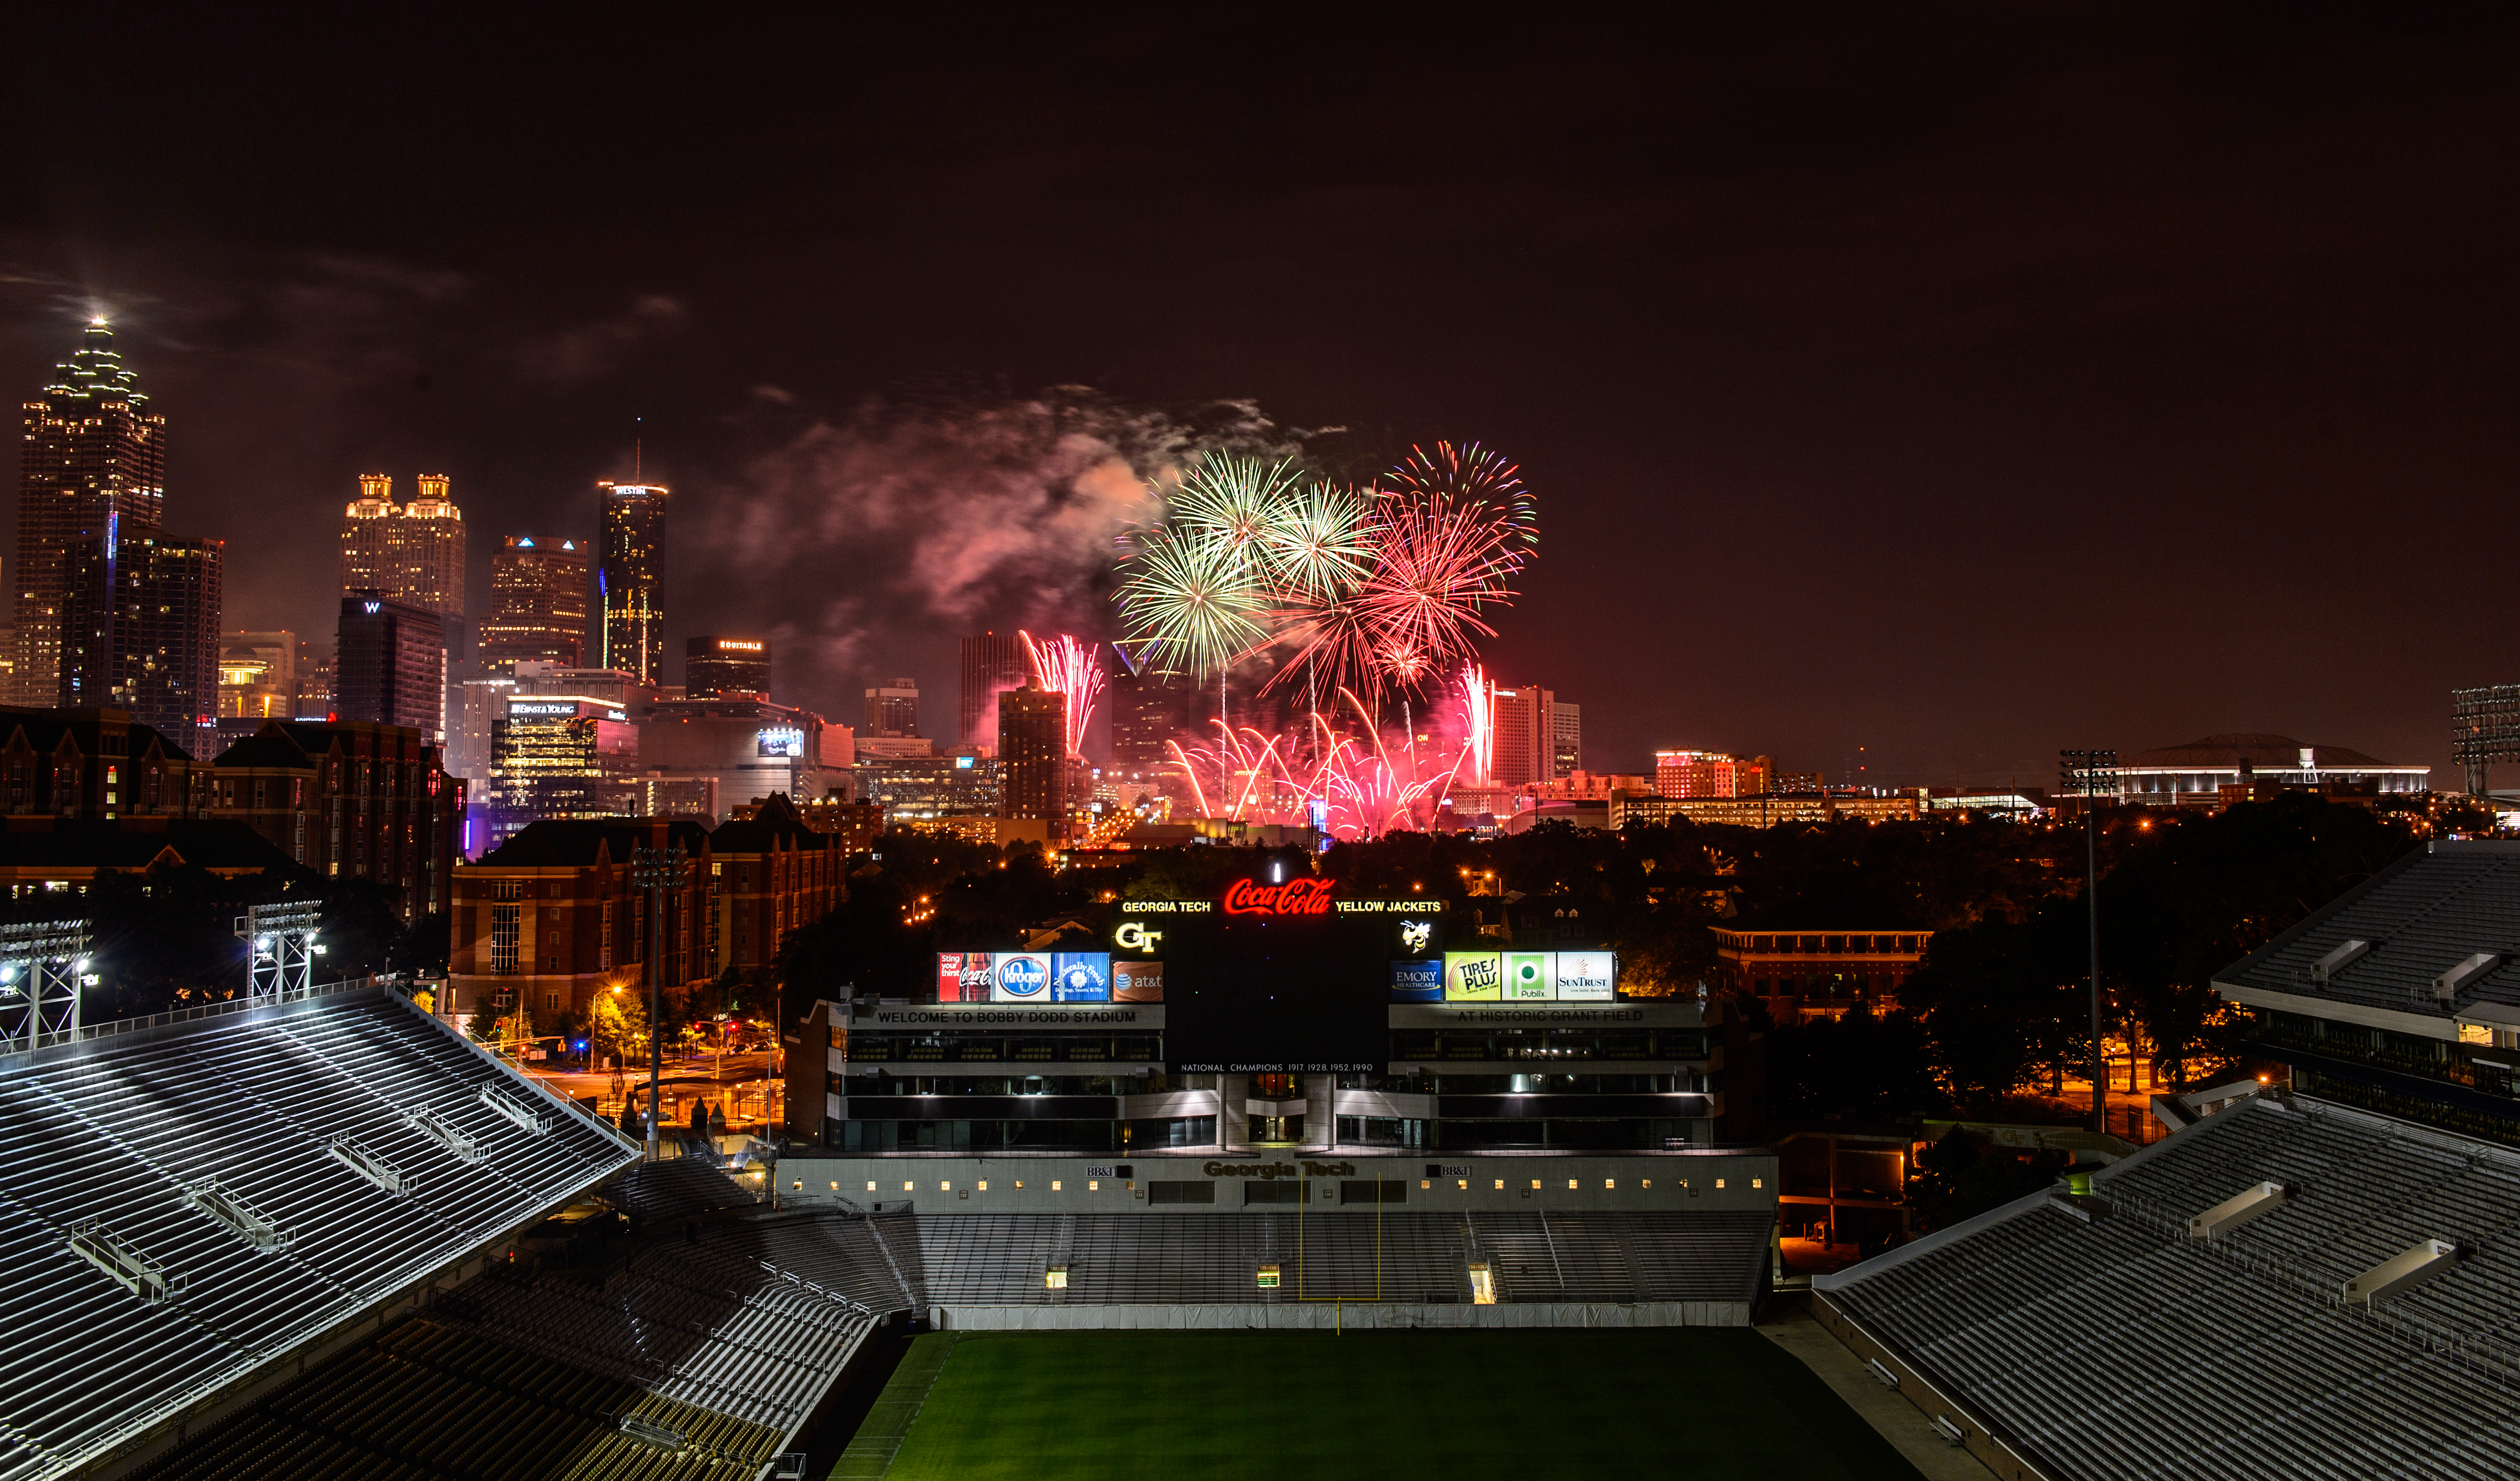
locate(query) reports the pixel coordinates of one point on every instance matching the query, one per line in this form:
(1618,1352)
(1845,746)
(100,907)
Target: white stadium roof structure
(196,1205)
(2287,1287)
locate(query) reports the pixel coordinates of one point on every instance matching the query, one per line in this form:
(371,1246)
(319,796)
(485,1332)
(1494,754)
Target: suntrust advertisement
(1518,977)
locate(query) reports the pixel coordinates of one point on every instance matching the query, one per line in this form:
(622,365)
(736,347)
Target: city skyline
(1960,508)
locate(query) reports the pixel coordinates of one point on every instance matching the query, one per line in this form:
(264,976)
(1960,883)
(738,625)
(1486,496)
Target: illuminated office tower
(991,661)
(629,568)
(1525,735)
(391,664)
(94,459)
(537,605)
(411,553)
(715,666)
(140,631)
(1566,740)
(259,675)
(1148,710)
(314,678)
(892,709)
(1032,755)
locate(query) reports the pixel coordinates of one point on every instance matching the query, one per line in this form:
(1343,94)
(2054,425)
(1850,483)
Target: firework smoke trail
(1478,707)
(1071,668)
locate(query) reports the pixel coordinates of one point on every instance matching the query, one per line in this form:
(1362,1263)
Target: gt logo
(1133,937)
(1415,935)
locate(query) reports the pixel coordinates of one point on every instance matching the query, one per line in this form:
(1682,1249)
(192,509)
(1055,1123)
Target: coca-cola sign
(1295,897)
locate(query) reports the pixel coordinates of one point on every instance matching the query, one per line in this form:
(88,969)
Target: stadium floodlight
(2084,770)
(262,943)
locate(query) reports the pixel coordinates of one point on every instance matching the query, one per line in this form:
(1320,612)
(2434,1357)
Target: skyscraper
(391,665)
(1032,755)
(629,570)
(412,553)
(537,605)
(140,630)
(991,662)
(893,708)
(259,675)
(314,678)
(1525,735)
(94,461)
(1146,710)
(1566,740)
(714,666)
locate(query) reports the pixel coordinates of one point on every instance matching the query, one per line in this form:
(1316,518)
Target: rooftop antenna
(638,452)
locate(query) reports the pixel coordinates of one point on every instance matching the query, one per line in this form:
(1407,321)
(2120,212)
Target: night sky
(1958,383)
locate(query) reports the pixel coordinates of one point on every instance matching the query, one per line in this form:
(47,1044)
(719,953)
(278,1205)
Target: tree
(1868,1069)
(617,1023)
(1963,1176)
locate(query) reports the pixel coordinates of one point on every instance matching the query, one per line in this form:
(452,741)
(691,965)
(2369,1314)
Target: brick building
(551,914)
(95,763)
(349,800)
(770,873)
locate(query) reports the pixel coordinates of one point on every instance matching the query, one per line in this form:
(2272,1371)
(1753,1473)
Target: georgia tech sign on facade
(1275,1170)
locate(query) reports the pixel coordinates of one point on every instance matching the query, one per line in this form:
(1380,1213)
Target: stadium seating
(2121,1347)
(1205,1259)
(693,1360)
(190,1203)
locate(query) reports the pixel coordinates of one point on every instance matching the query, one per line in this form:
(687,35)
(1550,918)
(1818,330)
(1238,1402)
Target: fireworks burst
(1190,602)
(1234,501)
(1476,478)
(1478,709)
(1437,564)
(1318,542)
(1362,786)
(1071,668)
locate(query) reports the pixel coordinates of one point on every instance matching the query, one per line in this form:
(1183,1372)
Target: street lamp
(2082,769)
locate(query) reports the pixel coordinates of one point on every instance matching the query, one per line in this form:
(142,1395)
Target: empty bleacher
(695,1357)
(178,1215)
(2120,1347)
(1419,1258)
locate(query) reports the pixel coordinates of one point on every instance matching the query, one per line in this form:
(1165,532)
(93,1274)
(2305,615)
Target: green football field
(1695,1402)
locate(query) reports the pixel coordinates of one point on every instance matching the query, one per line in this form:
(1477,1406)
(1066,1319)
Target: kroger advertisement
(1503,976)
(1041,978)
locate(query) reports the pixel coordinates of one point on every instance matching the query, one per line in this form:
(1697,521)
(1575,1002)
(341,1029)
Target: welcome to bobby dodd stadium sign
(965,1017)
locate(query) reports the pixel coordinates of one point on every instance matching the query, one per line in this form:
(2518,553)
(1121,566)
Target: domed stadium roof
(2257,749)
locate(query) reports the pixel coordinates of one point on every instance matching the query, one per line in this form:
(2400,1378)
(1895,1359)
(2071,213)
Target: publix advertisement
(1037,977)
(1521,977)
